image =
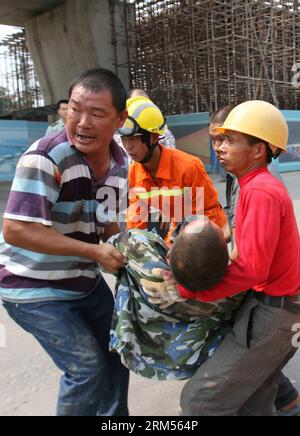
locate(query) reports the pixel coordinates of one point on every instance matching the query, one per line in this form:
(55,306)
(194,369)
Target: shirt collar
(249,176)
(164,167)
(118,154)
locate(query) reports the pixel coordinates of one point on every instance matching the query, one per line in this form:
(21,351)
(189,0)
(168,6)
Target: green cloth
(161,344)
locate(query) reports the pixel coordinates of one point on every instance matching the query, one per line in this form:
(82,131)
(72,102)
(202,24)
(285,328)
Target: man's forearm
(42,239)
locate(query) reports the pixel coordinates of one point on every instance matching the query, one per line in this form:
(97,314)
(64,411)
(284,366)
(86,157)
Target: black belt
(291,303)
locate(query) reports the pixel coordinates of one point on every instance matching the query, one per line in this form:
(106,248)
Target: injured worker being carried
(170,341)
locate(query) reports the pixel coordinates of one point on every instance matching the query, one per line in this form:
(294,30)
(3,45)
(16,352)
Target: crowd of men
(184,308)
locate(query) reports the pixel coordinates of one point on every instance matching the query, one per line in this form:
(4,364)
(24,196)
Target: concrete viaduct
(65,37)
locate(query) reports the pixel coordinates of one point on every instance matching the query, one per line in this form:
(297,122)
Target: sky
(4,31)
(7,30)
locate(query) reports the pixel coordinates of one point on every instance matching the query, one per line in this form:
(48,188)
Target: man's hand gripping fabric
(164,292)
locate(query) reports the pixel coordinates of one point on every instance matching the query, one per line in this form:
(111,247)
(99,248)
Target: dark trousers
(75,334)
(243,376)
(287,393)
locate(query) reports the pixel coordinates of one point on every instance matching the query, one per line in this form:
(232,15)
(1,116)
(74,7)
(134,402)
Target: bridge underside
(66,37)
(17,13)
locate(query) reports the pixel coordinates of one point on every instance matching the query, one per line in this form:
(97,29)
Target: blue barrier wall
(15,138)
(190,131)
(290,161)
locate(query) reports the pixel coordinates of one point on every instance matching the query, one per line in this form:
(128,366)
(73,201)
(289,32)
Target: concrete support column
(73,37)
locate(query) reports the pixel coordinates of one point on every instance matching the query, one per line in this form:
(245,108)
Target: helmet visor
(130,128)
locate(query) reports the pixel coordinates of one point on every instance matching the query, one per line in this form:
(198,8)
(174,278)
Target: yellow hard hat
(261,120)
(143,114)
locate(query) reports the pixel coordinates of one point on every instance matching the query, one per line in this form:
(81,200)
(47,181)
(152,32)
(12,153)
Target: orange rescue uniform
(177,177)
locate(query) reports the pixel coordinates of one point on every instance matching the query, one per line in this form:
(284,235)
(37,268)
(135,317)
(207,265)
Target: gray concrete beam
(73,37)
(17,12)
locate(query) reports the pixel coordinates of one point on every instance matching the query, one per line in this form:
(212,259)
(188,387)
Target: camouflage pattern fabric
(168,344)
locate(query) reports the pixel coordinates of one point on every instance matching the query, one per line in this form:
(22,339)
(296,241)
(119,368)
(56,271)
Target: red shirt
(267,239)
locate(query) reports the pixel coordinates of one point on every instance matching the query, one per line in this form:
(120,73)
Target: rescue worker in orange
(166,185)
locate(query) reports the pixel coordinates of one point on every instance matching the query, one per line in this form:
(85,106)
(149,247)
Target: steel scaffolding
(190,55)
(19,83)
(197,55)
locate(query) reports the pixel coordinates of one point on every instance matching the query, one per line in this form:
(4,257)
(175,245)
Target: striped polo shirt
(55,186)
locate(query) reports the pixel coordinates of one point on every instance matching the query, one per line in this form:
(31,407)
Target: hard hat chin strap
(276,152)
(146,139)
(149,155)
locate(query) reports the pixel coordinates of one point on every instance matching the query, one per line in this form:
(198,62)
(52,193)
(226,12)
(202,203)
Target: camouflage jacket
(168,344)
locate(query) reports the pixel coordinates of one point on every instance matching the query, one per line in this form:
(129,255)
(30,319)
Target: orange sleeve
(212,208)
(134,209)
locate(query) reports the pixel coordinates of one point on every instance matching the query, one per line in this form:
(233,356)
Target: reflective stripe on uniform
(162,193)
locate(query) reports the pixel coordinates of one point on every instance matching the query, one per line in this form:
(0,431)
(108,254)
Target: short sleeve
(35,189)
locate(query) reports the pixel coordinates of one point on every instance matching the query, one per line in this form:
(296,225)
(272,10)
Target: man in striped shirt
(67,188)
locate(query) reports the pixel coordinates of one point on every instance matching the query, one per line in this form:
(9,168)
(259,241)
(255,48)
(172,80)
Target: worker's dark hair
(63,101)
(99,80)
(220,115)
(199,260)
